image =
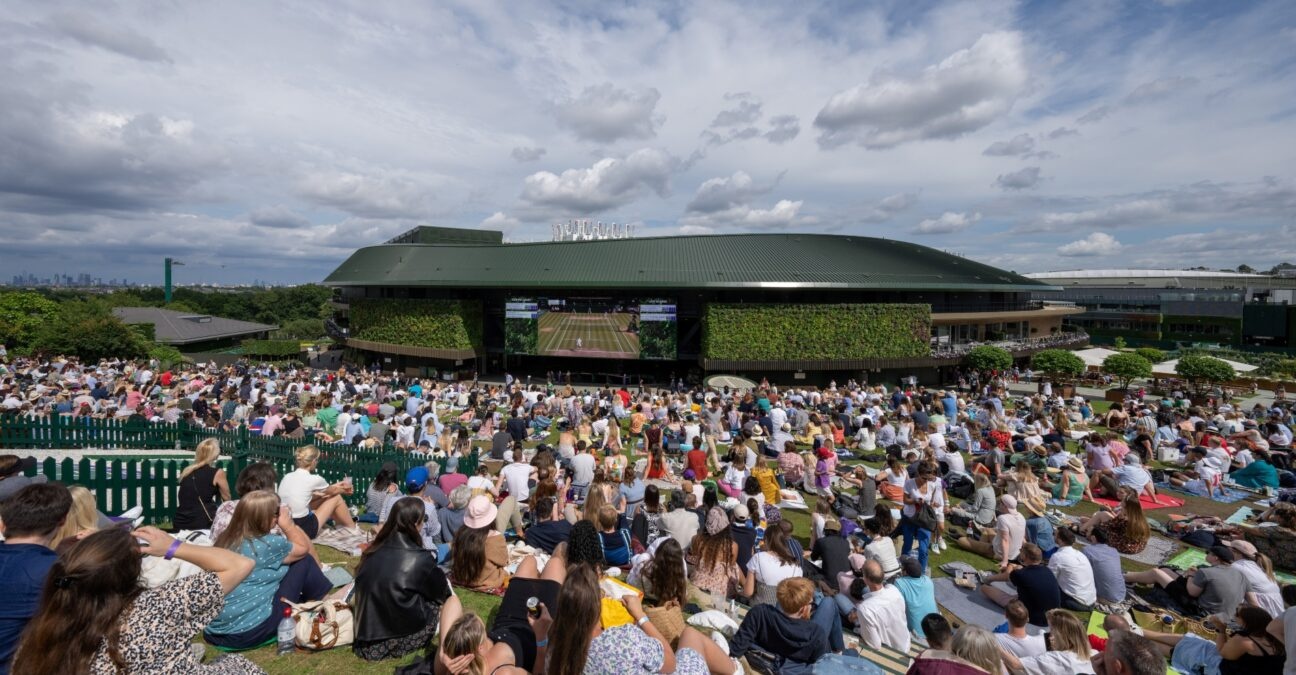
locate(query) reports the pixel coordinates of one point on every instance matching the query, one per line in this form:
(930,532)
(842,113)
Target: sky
(269,140)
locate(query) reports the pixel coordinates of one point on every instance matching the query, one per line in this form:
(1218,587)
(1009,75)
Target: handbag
(322,624)
(925,517)
(668,619)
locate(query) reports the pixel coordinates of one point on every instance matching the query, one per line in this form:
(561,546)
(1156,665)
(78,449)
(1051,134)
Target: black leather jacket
(399,591)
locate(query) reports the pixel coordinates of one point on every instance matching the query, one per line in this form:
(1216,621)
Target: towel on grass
(1156,552)
(971,607)
(1162,501)
(344,541)
(1228,496)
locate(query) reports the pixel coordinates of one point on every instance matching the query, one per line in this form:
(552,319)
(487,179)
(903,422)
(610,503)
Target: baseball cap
(1009,502)
(740,512)
(416,478)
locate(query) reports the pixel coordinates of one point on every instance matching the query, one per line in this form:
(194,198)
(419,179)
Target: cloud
(1095,115)
(1062,132)
(783,128)
(277,217)
(372,194)
(747,111)
(608,184)
(947,223)
(500,221)
(1096,244)
(1018,145)
(527,154)
(966,91)
(605,114)
(784,214)
(1270,198)
(718,194)
(1159,89)
(1024,179)
(888,207)
(114,37)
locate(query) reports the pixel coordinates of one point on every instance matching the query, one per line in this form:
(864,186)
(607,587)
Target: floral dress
(627,649)
(1116,538)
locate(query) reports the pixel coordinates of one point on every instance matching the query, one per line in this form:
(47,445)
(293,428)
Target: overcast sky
(270,139)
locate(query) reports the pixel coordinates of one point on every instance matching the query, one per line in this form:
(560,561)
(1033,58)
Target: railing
(335,331)
(152,483)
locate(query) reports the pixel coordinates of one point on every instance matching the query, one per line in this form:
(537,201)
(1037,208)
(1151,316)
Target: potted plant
(1058,365)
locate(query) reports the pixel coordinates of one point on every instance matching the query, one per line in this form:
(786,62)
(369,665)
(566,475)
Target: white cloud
(500,221)
(373,194)
(888,206)
(605,114)
(1017,145)
(718,194)
(608,184)
(1204,201)
(964,92)
(1024,179)
(784,214)
(527,154)
(947,223)
(1096,244)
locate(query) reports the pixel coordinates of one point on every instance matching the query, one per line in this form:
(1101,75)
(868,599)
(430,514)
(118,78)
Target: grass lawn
(339,661)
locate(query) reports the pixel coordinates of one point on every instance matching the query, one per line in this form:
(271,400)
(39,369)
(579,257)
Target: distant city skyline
(1032,136)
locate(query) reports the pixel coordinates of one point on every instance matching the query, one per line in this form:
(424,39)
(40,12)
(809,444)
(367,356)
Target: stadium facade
(810,305)
(1171,308)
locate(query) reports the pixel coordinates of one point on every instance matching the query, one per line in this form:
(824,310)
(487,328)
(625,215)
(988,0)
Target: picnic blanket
(338,538)
(1227,497)
(971,607)
(1156,552)
(1163,501)
(1240,516)
(1195,557)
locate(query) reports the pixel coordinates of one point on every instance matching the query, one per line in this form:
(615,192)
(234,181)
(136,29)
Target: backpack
(959,486)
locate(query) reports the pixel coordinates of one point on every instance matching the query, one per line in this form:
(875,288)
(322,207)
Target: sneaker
(133,513)
(963,581)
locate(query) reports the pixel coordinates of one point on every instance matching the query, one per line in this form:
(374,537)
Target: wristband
(642,620)
(175,546)
(542,643)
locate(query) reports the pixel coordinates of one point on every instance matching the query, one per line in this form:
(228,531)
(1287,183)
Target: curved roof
(702,261)
(1140,274)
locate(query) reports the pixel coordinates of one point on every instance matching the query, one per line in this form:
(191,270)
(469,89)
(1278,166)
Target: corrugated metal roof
(178,328)
(709,261)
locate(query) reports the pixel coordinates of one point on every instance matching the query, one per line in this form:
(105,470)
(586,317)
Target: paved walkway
(1265,398)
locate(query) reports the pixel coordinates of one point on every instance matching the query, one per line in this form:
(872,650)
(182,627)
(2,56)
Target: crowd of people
(683,493)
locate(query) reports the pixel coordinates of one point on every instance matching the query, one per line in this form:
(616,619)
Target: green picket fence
(154,483)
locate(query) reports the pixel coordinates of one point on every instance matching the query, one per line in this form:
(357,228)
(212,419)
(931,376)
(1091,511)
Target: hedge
(272,347)
(791,332)
(434,324)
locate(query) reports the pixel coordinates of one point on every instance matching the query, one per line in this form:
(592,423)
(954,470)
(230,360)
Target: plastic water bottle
(287,633)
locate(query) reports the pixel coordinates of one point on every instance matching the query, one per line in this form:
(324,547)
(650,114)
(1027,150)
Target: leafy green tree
(90,331)
(987,357)
(301,329)
(1199,369)
(1127,366)
(21,314)
(1152,354)
(1058,363)
(1119,343)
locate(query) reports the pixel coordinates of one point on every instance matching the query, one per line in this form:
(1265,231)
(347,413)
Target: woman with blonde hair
(82,519)
(978,646)
(201,484)
(311,499)
(1068,649)
(283,572)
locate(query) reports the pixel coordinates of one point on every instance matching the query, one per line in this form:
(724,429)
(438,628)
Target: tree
(1199,369)
(1126,367)
(300,329)
(1119,343)
(1057,363)
(1245,269)
(1152,354)
(90,331)
(1286,367)
(21,314)
(986,357)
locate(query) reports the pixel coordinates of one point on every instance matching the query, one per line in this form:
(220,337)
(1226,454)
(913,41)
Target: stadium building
(1173,308)
(809,305)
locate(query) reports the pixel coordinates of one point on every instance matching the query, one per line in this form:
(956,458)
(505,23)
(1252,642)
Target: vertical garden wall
(433,324)
(791,332)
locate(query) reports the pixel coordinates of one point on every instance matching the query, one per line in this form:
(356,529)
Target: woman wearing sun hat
(1073,484)
(479,553)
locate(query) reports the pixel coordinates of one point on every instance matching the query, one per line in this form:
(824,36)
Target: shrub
(755,332)
(271,347)
(166,355)
(434,324)
(1127,366)
(1057,363)
(1152,354)
(1198,369)
(1286,367)
(89,331)
(986,357)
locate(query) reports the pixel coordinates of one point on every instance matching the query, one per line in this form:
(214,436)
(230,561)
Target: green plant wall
(435,324)
(787,332)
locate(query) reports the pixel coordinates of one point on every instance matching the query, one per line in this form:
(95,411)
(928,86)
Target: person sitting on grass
(284,573)
(310,498)
(938,658)
(1009,534)
(879,611)
(615,540)
(1036,586)
(31,519)
(918,592)
(1126,527)
(551,529)
(1068,649)
(399,590)
(1075,576)
(479,553)
(1258,474)
(517,642)
(1016,640)
(1251,650)
(793,630)
(1217,589)
(96,617)
(1204,479)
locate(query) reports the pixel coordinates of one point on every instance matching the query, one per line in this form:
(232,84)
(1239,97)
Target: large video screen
(601,328)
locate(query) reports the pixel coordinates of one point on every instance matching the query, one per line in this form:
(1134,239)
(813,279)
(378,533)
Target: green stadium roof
(810,261)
